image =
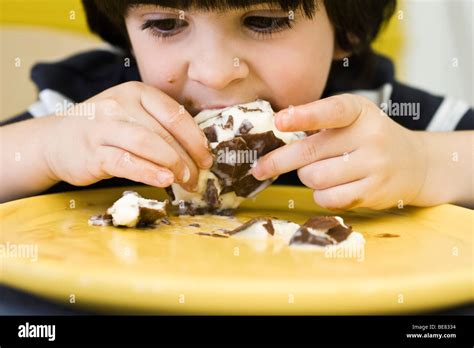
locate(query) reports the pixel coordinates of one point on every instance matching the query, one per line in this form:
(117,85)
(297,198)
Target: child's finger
(346,196)
(327,144)
(146,144)
(176,120)
(194,171)
(333,112)
(120,163)
(334,171)
(137,114)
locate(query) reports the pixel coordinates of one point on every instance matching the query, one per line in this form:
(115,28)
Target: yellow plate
(170,269)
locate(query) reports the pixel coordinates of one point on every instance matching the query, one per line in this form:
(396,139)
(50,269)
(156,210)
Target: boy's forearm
(24,169)
(449,174)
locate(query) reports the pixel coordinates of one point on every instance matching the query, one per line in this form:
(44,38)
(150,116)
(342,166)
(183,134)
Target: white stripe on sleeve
(448,115)
(49,103)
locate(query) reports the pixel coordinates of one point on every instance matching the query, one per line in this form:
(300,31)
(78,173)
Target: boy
(310,59)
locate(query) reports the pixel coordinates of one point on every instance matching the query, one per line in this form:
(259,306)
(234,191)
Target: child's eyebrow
(217,7)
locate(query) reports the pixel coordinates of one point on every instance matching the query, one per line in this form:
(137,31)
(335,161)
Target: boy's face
(211,59)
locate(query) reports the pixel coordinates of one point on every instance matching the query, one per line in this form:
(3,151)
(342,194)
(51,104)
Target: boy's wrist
(423,161)
(26,170)
(444,180)
(47,136)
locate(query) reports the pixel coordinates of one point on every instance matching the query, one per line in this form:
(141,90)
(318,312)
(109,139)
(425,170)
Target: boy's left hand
(361,158)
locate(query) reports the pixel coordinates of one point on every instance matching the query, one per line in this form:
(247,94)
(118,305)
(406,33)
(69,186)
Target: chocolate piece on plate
(255,226)
(132,210)
(321,231)
(100,220)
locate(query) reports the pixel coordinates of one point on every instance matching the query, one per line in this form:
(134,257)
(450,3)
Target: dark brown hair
(356,22)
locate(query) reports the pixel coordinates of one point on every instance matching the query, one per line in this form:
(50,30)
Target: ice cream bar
(238,136)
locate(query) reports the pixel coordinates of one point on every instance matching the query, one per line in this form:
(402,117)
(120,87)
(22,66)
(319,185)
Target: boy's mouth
(211,107)
(195,108)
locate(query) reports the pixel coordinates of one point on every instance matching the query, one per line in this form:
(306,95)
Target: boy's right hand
(135,132)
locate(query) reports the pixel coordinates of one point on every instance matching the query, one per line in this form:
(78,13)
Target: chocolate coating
(268,225)
(334,232)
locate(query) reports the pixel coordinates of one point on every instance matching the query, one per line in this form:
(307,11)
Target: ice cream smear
(316,233)
(264,228)
(238,135)
(319,232)
(131,210)
(325,231)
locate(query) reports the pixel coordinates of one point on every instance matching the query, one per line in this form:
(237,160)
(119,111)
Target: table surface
(18,302)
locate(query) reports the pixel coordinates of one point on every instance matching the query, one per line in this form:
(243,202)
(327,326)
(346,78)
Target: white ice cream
(262,121)
(355,239)
(282,230)
(126,210)
(228,200)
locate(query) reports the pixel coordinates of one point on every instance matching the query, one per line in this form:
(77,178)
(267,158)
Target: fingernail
(186,175)
(206,142)
(283,119)
(190,187)
(193,188)
(256,172)
(164,178)
(207,163)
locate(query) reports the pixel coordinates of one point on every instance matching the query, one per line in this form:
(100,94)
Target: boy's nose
(215,67)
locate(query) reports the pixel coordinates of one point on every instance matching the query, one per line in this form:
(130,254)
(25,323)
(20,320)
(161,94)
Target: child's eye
(165,27)
(267,25)
(260,25)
